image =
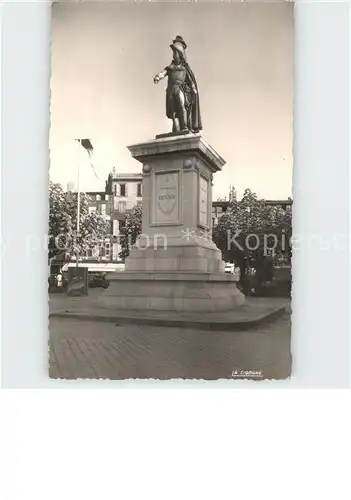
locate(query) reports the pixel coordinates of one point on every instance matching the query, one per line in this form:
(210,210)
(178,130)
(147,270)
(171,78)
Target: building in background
(122,193)
(126,190)
(284,204)
(218,208)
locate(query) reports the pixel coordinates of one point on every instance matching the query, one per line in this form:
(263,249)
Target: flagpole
(78,200)
(78,203)
(86,144)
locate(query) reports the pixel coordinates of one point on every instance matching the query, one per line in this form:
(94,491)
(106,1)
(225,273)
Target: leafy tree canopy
(63,235)
(251,229)
(131,230)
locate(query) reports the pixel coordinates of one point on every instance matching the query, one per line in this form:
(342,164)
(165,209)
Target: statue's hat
(179,45)
(179,40)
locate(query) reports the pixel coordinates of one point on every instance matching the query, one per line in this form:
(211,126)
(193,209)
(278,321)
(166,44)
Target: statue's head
(177,58)
(178,47)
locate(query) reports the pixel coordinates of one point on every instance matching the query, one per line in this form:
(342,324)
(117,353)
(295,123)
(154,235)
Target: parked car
(279,285)
(98,280)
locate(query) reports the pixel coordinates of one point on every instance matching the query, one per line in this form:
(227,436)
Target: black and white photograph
(170,194)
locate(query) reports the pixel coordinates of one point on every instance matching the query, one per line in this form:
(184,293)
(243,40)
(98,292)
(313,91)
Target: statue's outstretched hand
(159,76)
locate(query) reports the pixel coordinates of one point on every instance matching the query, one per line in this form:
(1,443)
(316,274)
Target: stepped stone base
(174,264)
(181,258)
(195,292)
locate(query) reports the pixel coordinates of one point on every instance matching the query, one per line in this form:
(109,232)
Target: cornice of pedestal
(174,145)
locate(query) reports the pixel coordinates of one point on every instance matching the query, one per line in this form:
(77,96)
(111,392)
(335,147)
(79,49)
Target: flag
(87,145)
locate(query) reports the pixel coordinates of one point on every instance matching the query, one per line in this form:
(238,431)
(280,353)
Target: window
(139,190)
(115,189)
(115,227)
(92,210)
(107,250)
(103,209)
(123,190)
(122,206)
(98,197)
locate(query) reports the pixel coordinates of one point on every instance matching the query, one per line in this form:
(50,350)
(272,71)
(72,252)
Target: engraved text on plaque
(167,198)
(203,201)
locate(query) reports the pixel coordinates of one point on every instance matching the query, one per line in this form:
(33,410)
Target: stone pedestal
(174,264)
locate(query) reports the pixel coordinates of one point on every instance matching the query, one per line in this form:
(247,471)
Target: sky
(104,58)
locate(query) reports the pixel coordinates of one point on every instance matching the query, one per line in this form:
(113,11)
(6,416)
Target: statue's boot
(176,126)
(183,120)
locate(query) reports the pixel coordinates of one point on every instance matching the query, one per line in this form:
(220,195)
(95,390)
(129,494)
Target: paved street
(84,349)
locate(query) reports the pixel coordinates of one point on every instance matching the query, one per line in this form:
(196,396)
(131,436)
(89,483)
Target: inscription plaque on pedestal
(166,209)
(203,201)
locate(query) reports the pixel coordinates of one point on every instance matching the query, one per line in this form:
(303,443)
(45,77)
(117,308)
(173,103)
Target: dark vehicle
(97,279)
(97,272)
(279,285)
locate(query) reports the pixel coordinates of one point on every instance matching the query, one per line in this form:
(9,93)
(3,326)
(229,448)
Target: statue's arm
(160,75)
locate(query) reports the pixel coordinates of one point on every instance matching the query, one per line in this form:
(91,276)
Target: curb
(198,325)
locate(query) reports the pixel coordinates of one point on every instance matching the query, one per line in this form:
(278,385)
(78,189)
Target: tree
(63,237)
(253,234)
(131,230)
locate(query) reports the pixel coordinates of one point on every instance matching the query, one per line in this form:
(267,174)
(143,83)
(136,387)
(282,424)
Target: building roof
(224,203)
(220,203)
(279,202)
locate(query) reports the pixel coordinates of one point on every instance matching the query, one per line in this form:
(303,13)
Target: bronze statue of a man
(182,96)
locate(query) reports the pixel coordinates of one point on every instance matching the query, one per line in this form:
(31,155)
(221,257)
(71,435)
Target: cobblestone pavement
(83,349)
